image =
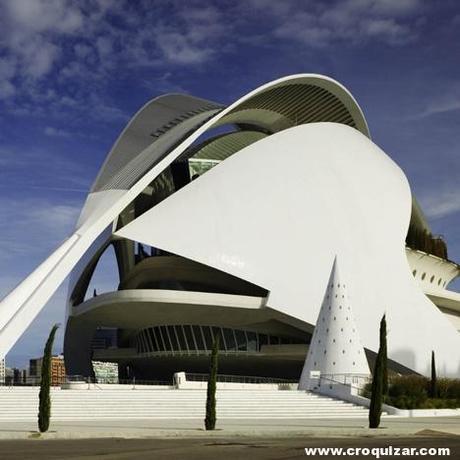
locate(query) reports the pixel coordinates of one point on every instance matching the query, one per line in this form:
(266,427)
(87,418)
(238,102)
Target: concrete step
(128,404)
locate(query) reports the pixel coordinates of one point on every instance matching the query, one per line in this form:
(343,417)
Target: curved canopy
(297,100)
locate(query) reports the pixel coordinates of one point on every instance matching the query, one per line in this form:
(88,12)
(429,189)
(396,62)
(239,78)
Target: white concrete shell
(324,189)
(273,214)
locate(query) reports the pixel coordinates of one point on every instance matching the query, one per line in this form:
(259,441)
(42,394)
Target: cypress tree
(433,382)
(44,408)
(383,348)
(375,408)
(210,420)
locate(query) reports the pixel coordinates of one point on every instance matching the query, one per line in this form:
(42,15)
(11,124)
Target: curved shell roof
(166,121)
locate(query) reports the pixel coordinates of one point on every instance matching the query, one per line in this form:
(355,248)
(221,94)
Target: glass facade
(194,338)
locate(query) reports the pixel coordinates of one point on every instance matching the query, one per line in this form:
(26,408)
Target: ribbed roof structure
(336,347)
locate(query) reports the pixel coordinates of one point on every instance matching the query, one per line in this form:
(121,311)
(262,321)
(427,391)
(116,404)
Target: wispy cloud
(444,98)
(319,24)
(40,167)
(441,203)
(31,226)
(56,132)
(78,44)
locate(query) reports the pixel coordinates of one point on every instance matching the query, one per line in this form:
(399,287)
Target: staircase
(21,403)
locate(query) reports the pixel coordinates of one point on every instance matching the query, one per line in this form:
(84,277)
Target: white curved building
(226,220)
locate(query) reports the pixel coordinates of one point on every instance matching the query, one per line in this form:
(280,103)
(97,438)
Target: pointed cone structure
(335,347)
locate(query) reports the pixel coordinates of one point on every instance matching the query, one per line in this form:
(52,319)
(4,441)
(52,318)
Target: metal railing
(33,382)
(237,378)
(355,382)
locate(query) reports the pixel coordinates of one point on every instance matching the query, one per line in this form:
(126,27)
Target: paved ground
(390,426)
(203,449)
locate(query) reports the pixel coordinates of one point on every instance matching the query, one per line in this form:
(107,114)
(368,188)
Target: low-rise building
(57,370)
(105,372)
(2,371)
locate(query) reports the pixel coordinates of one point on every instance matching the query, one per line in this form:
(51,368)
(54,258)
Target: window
(189,337)
(217,332)
(263,340)
(229,339)
(241,342)
(164,336)
(173,338)
(198,337)
(252,341)
(181,338)
(153,339)
(208,337)
(148,340)
(161,344)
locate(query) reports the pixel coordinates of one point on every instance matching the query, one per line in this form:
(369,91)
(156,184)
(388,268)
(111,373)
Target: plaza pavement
(183,428)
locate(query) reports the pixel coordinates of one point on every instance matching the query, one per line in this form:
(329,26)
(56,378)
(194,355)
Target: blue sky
(72,73)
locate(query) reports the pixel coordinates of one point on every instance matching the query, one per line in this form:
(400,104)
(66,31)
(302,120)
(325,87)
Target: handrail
(35,381)
(328,380)
(237,378)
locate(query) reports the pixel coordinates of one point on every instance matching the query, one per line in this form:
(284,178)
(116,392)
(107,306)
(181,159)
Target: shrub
(210,420)
(412,392)
(434,379)
(44,407)
(378,384)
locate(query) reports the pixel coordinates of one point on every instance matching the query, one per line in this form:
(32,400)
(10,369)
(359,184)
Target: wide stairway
(21,403)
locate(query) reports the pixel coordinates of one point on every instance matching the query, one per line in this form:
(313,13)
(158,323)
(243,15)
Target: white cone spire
(335,347)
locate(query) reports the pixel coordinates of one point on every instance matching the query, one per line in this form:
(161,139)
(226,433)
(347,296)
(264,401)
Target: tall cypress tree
(44,408)
(375,408)
(383,348)
(210,420)
(434,380)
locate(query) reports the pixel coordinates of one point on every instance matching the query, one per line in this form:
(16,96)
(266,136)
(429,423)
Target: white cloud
(31,31)
(7,72)
(441,106)
(7,89)
(39,168)
(31,228)
(31,16)
(351,21)
(394,7)
(38,58)
(441,203)
(444,98)
(178,49)
(82,50)
(104,47)
(56,132)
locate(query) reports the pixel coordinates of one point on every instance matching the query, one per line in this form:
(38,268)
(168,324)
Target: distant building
(105,372)
(57,370)
(9,372)
(2,371)
(17,376)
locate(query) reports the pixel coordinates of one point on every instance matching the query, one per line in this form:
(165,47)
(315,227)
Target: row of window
(432,279)
(186,338)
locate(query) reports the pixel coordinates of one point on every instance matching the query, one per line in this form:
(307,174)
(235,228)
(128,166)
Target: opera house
(225,221)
